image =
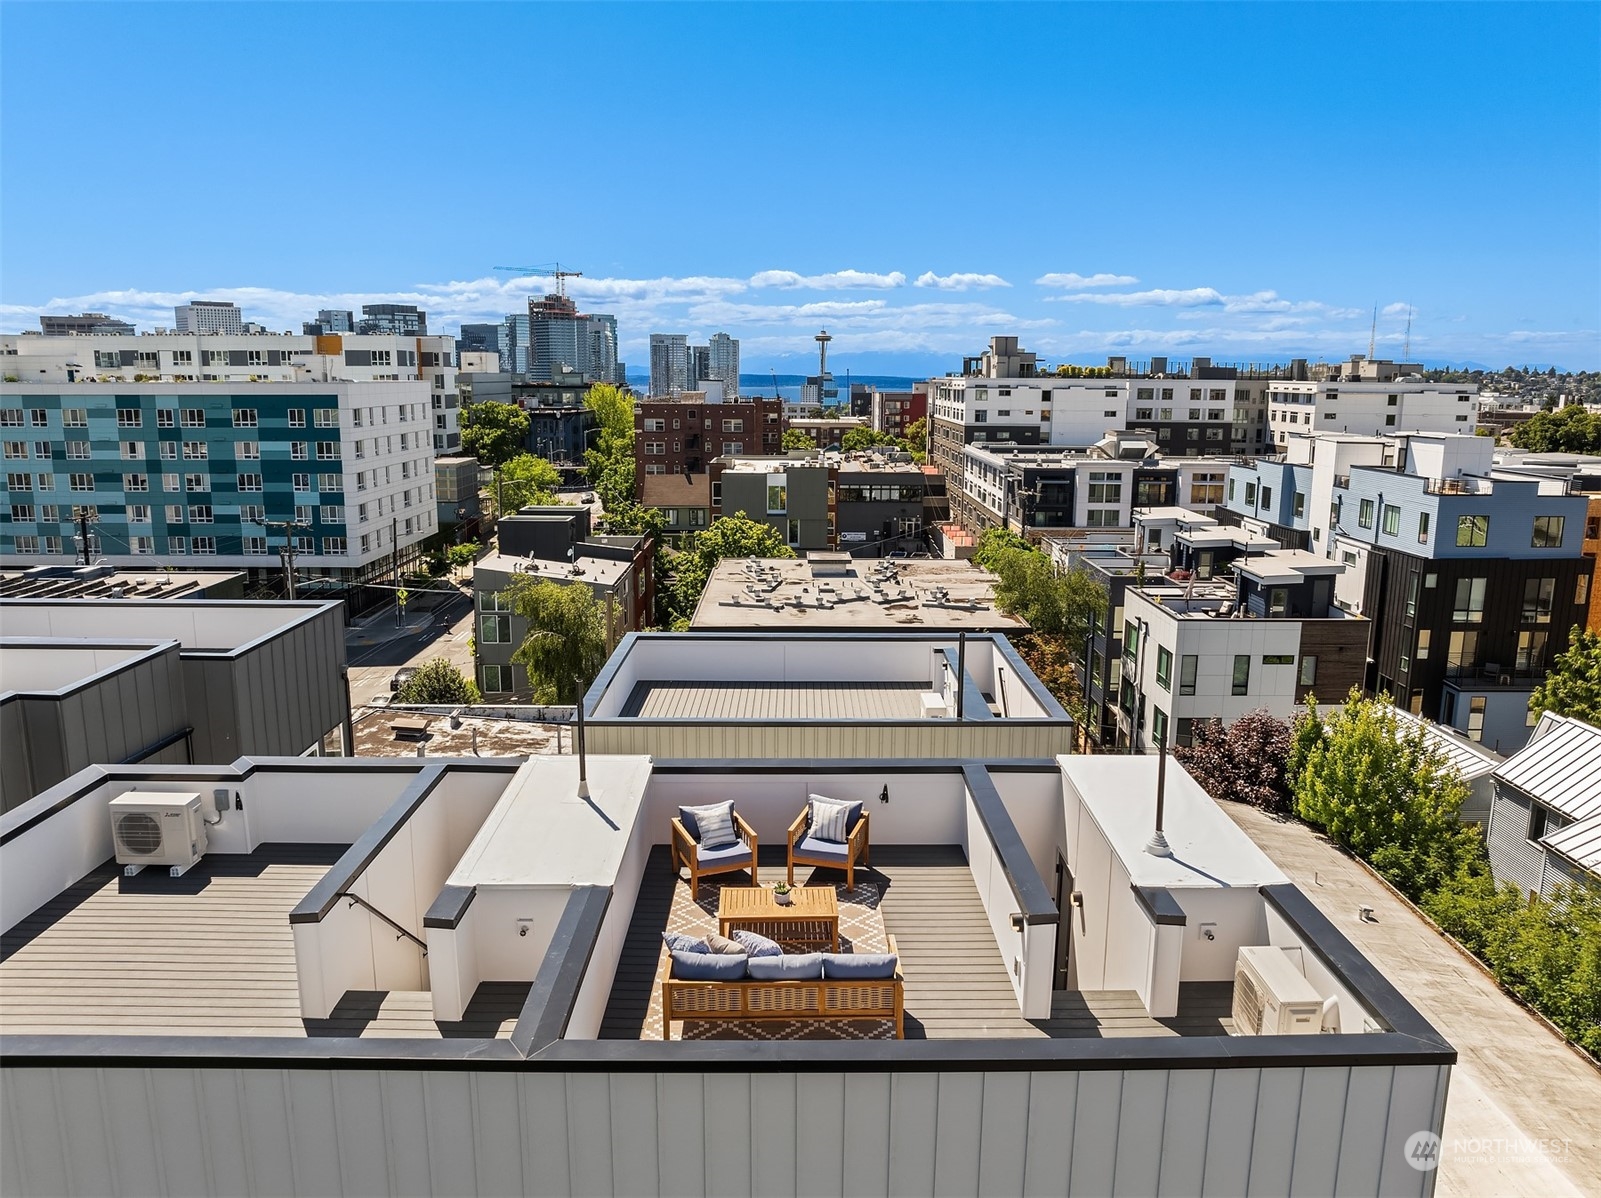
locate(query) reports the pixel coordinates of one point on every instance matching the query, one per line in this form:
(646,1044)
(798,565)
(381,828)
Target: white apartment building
(1369,408)
(208,316)
(246,358)
(724,357)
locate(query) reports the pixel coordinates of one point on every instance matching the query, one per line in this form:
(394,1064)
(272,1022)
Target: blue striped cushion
(716,825)
(829,820)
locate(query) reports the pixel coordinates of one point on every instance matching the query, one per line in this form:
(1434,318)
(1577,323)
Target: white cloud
(1160,298)
(1396,309)
(835,281)
(1073,282)
(958,281)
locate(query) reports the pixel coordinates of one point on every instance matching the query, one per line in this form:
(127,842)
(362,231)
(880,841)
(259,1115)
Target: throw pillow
(788,967)
(831,820)
(757,945)
(859,965)
(714,824)
(679,942)
(707,967)
(721,944)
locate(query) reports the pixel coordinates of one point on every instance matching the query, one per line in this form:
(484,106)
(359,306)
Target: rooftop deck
(208,954)
(956,982)
(718,700)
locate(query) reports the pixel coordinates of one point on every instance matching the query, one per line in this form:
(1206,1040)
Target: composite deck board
(769,701)
(957,985)
(210,953)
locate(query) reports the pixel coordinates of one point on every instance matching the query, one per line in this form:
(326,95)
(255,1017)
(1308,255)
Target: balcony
(1457,486)
(1491,676)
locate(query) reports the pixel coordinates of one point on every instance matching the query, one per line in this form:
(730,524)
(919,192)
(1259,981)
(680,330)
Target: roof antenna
(1157,846)
(583,774)
(1406,351)
(1373,333)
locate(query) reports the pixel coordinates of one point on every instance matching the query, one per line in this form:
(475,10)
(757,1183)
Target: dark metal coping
(853,765)
(450,907)
(147,652)
(549,1005)
(236,773)
(608,673)
(1027,885)
(320,899)
(973,705)
(171,738)
(1161,906)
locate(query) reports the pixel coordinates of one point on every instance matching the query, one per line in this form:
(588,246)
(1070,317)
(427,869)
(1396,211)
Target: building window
(244,418)
(1187,669)
(328,451)
(1543,821)
(1242,674)
(196,450)
(1472,531)
(1131,642)
(1309,670)
(1105,487)
(1538,595)
(1158,726)
(1531,649)
(81,482)
(777,497)
(1581,592)
(1278,659)
(327,417)
(497,679)
(128,418)
(71,418)
(1164,667)
(1547,532)
(1423,528)
(135,482)
(297,417)
(1364,514)
(1299,505)
(203,545)
(1392,519)
(1468,607)
(301,482)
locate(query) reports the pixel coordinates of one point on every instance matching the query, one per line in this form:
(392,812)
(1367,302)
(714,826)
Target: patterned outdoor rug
(861,930)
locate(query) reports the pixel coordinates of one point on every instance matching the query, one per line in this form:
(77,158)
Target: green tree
(565,646)
(493,432)
(525,480)
(795,438)
(1573,686)
(1386,795)
(1572,429)
(865,438)
(917,434)
(462,556)
(992,542)
(437,682)
(728,536)
(610,460)
(1063,604)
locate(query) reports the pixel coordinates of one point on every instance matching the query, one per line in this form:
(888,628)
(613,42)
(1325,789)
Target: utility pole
(394,563)
(286,552)
(83,533)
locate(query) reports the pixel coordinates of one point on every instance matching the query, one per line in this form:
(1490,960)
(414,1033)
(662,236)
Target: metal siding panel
(1049,1150)
(406,1124)
(820,1133)
(496,1148)
(728,1157)
(1003,1134)
(914,1120)
(182,1130)
(543,1116)
(12,1176)
(772,1133)
(1095,1133)
(1316,1162)
(1228,1133)
(864,1158)
(634,1132)
(34,1125)
(91,1166)
(1140,1124)
(589,1138)
(451,1165)
(359,1106)
(1184,1125)
(1413,1090)
(681,1143)
(1367,1107)
(957,1131)
(1278,1103)
(136,1147)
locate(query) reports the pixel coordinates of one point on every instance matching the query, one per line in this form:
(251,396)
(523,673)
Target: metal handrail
(356,898)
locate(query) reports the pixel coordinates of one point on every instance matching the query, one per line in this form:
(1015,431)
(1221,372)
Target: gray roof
(1560,766)
(1580,843)
(1472,760)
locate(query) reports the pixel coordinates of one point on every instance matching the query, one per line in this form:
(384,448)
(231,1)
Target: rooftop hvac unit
(1272,997)
(158,829)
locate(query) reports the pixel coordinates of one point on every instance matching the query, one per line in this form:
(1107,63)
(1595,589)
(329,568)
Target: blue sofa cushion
(737,853)
(708,967)
(712,826)
(757,945)
(859,965)
(787,967)
(826,850)
(825,819)
(680,942)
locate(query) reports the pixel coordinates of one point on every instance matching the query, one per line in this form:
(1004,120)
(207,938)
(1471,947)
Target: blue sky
(1245,182)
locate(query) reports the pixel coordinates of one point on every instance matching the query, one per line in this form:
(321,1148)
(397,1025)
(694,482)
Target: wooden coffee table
(812,916)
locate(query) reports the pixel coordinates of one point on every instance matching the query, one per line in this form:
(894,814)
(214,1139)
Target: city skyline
(1202,190)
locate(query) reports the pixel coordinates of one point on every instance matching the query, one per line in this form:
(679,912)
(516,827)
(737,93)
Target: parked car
(402,676)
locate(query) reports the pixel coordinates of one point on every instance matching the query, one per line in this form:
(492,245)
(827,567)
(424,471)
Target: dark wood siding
(1341,649)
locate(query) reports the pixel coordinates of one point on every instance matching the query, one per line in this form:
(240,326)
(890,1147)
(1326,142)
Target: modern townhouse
(1545,818)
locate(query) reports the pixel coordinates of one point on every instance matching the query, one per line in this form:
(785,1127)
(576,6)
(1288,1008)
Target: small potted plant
(781,894)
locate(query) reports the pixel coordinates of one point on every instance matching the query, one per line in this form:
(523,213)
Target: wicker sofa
(823,998)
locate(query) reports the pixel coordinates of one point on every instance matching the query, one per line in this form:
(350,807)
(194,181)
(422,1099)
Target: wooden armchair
(808,850)
(741,855)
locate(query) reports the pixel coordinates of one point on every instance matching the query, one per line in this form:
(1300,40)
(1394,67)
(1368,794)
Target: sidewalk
(1514,1080)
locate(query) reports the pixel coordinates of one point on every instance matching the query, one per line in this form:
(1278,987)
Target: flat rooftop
(595,571)
(198,625)
(463,736)
(734,700)
(103,583)
(872,593)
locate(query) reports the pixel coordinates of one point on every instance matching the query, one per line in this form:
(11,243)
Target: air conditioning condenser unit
(1271,995)
(158,829)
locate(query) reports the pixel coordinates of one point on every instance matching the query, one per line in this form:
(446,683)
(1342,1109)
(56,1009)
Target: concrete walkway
(1514,1081)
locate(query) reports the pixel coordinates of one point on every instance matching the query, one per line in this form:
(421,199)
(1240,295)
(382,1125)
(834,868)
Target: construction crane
(551,270)
(774,373)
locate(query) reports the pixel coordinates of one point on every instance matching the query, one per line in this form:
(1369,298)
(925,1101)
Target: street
(375,647)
